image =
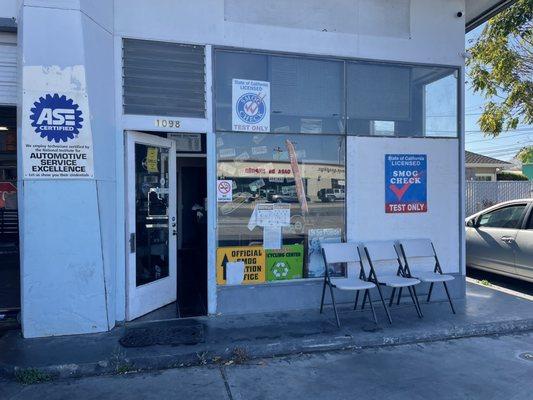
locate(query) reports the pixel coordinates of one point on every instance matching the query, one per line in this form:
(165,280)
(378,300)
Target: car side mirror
(471,223)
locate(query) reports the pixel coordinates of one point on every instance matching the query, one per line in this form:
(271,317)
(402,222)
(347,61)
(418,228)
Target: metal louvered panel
(160,78)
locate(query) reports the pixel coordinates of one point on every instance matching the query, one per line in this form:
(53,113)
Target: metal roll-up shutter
(8,68)
(160,78)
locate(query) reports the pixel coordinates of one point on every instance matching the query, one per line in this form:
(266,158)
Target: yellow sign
(253,258)
(151,159)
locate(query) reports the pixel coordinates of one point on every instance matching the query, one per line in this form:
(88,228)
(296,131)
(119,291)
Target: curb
(214,354)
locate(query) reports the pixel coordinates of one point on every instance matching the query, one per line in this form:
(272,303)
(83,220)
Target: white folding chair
(355,279)
(386,270)
(421,262)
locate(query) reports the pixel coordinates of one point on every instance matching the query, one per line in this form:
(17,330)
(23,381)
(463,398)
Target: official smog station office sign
(253,258)
(405,183)
(56,137)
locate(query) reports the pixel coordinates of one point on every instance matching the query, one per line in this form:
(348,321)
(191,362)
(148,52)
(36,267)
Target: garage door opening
(9,230)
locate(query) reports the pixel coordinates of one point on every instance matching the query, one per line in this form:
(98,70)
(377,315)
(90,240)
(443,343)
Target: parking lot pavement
(476,368)
(516,285)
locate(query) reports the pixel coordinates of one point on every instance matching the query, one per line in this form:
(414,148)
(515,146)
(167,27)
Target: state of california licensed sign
(405,183)
(250,105)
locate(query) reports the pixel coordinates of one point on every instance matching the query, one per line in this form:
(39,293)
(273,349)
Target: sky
(503,147)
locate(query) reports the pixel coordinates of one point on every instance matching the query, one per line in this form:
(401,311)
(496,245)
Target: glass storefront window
(414,100)
(310,95)
(307,95)
(288,193)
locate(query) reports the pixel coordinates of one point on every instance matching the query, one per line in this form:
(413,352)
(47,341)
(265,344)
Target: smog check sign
(405,183)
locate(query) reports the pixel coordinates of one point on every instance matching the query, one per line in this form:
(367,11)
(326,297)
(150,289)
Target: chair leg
(334,306)
(449,298)
(399,296)
(392,296)
(414,301)
(430,290)
(417,302)
(384,304)
(372,307)
(323,294)
(364,300)
(356,300)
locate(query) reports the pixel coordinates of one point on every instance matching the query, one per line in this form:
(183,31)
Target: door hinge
(132,242)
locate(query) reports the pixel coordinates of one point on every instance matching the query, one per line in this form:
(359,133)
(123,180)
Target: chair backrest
(417,247)
(383,256)
(343,253)
(418,253)
(381,251)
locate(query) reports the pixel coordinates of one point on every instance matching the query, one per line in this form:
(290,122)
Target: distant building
(483,168)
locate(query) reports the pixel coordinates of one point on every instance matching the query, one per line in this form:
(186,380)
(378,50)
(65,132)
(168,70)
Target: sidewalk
(483,312)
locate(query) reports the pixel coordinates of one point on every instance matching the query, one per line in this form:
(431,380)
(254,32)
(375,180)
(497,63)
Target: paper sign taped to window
(272,237)
(224,191)
(265,214)
(151,159)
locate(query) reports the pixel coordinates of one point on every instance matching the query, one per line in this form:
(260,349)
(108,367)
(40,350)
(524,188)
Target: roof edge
(490,12)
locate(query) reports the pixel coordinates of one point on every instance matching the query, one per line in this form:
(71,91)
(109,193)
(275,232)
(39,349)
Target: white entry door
(151,223)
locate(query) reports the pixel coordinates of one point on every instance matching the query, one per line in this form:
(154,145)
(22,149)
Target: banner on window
(405,183)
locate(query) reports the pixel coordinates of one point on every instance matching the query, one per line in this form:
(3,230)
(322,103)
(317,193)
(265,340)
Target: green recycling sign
(286,263)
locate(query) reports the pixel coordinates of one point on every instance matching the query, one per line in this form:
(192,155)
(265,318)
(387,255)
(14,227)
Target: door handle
(507,239)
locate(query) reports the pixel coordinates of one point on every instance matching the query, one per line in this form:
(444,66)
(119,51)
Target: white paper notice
(272,237)
(273,214)
(250,105)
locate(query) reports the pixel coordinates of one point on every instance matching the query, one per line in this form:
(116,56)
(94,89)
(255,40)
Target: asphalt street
(506,282)
(475,368)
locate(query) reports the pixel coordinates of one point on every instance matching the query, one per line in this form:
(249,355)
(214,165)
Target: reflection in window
(507,217)
(413,100)
(306,94)
(301,177)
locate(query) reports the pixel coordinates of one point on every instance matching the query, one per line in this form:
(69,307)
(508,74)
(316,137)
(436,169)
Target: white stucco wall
(365,202)
(436,34)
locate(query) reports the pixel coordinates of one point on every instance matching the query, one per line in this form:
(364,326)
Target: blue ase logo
(251,108)
(56,118)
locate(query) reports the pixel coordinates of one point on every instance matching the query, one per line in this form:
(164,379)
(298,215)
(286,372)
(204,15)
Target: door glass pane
(508,217)
(151,213)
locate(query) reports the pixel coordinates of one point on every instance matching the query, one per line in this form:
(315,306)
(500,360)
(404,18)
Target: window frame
(345,61)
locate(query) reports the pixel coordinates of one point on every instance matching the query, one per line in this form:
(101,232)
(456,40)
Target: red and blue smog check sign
(405,183)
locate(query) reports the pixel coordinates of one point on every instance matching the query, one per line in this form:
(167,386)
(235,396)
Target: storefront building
(158,142)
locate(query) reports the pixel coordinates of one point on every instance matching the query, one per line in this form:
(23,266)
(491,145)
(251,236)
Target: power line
(498,137)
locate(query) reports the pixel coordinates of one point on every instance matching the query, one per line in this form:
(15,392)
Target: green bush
(509,176)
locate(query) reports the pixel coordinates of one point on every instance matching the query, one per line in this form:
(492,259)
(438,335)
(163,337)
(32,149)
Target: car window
(506,217)
(530,223)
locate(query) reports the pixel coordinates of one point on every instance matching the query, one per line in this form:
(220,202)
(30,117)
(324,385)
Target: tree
(501,68)
(525,155)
